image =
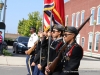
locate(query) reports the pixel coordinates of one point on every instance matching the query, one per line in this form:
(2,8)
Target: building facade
(76,12)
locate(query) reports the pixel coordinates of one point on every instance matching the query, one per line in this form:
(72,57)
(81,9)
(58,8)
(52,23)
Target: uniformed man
(57,34)
(33,38)
(72,54)
(44,46)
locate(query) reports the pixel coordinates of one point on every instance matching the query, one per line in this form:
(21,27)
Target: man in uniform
(43,47)
(33,38)
(72,54)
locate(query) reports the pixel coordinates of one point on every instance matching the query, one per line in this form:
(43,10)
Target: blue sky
(18,9)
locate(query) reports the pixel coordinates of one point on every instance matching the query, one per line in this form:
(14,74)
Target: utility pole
(4,15)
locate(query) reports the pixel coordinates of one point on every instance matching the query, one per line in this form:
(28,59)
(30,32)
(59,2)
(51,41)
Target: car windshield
(23,39)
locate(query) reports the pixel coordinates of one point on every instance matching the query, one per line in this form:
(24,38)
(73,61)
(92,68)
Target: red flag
(56,7)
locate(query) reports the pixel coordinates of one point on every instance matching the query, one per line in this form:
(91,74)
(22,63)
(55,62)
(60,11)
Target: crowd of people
(49,45)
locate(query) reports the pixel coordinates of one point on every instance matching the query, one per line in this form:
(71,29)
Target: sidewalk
(87,63)
(13,61)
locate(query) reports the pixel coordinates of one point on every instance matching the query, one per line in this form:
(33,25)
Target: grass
(6,53)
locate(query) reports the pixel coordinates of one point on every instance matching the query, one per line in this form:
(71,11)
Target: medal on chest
(67,57)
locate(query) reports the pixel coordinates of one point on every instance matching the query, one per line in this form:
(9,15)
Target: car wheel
(16,51)
(6,47)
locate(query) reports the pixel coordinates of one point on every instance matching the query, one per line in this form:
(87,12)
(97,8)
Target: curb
(10,65)
(91,57)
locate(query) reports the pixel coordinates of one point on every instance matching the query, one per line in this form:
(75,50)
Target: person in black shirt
(72,54)
(57,34)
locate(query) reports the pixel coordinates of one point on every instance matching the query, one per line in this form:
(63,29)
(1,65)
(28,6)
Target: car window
(23,39)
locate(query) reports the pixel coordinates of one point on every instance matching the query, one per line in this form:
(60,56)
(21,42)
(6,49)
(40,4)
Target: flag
(56,7)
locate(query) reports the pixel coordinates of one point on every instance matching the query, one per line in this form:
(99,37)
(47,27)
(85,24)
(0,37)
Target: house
(76,12)
(11,36)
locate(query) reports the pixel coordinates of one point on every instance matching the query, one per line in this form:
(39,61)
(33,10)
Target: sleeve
(37,57)
(35,38)
(74,61)
(44,62)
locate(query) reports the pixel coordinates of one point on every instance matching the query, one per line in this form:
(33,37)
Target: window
(78,38)
(82,17)
(77,19)
(66,20)
(90,41)
(82,42)
(73,17)
(92,17)
(97,37)
(98,15)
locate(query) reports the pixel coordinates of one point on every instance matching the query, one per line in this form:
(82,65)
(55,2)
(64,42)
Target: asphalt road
(21,70)
(13,70)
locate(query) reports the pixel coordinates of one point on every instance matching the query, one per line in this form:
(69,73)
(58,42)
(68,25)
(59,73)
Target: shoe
(28,74)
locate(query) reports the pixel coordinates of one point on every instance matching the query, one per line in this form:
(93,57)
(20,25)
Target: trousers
(37,71)
(29,60)
(1,48)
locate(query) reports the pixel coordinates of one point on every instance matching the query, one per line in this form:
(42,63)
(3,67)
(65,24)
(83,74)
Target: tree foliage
(34,19)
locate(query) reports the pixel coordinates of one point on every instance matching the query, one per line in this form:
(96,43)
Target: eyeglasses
(54,31)
(67,35)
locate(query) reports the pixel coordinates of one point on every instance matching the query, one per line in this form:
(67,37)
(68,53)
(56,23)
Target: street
(13,70)
(21,70)
(88,65)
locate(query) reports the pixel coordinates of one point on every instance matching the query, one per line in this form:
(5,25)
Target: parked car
(4,45)
(20,44)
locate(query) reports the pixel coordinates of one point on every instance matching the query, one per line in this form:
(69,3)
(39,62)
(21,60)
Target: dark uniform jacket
(44,46)
(54,51)
(54,48)
(71,59)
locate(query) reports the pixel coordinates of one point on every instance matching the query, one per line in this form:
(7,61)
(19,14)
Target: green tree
(34,19)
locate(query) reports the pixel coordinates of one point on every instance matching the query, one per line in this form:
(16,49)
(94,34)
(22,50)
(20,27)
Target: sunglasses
(54,31)
(67,35)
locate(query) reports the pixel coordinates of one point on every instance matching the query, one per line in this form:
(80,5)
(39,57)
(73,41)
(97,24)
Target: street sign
(2,25)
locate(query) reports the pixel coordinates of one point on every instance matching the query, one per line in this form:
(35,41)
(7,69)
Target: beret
(71,30)
(32,27)
(59,27)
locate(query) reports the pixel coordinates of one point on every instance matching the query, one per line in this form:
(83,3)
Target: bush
(6,53)
(9,41)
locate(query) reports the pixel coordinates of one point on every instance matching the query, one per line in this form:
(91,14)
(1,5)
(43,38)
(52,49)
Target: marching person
(57,35)
(33,38)
(72,54)
(44,46)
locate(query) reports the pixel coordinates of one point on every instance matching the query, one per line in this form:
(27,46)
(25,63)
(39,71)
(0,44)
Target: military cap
(32,27)
(71,30)
(59,27)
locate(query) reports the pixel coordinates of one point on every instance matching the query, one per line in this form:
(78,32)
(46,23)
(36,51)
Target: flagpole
(41,40)
(42,33)
(49,38)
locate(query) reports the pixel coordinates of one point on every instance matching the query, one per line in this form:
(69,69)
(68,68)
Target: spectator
(1,41)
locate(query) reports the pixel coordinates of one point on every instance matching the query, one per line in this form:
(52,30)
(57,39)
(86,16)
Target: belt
(49,63)
(42,58)
(35,54)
